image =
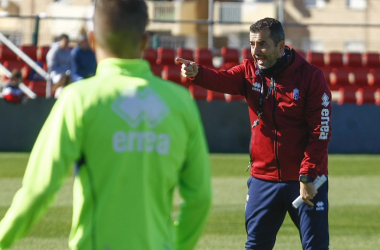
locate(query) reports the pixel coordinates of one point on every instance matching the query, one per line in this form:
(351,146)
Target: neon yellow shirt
(135,138)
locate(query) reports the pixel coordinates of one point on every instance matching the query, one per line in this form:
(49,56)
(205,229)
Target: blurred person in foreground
(133,137)
(11,92)
(84,58)
(59,59)
(290,112)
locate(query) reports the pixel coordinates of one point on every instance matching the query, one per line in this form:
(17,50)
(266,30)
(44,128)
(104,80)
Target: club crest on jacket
(296,94)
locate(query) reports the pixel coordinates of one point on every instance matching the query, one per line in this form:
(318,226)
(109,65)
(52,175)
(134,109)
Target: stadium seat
(197,92)
(41,53)
(365,95)
(316,58)
(371,60)
(187,54)
(204,58)
(377,97)
(246,53)
(185,82)
(339,77)
(347,95)
(230,98)
(38,87)
(11,65)
(334,60)
(353,60)
(374,78)
(26,82)
(326,73)
(172,73)
(360,77)
(156,69)
(6,54)
(150,55)
(230,57)
(29,50)
(212,96)
(165,56)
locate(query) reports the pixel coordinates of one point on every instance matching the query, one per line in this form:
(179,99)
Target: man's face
(63,43)
(16,80)
(264,50)
(83,44)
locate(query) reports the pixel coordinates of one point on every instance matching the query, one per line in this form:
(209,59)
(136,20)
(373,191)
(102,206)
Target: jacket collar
(295,60)
(130,67)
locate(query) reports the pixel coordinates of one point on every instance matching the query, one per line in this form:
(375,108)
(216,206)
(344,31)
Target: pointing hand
(189,68)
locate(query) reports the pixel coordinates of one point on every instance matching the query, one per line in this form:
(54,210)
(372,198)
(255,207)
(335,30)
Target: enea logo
(136,106)
(296,94)
(325,100)
(256,86)
(320,206)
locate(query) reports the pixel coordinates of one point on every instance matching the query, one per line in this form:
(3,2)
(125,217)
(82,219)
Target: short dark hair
(16,74)
(277,32)
(117,22)
(63,36)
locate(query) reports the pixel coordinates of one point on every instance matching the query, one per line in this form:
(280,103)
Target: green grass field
(354,198)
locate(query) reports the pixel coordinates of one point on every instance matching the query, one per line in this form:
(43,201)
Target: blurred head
(16,78)
(119,28)
(83,42)
(63,41)
(267,38)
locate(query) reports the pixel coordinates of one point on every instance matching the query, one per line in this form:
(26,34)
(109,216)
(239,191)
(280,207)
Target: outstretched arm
(225,81)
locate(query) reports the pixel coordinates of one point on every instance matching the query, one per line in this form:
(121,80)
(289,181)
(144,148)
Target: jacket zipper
(275,124)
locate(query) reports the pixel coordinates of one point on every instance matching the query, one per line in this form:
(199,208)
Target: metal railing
(28,61)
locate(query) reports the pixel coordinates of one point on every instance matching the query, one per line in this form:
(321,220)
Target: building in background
(318,25)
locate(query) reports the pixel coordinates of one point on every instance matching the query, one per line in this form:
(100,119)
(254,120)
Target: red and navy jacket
(295,127)
(12,94)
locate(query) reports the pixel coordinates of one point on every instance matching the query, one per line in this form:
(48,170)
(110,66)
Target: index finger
(184,61)
(308,202)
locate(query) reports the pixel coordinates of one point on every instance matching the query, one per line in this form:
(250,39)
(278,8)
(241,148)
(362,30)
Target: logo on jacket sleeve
(296,94)
(256,86)
(325,100)
(136,106)
(325,124)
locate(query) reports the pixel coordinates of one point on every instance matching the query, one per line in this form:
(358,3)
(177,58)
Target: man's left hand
(307,192)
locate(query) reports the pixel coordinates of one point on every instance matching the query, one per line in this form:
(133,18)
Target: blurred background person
(59,59)
(65,80)
(84,58)
(11,92)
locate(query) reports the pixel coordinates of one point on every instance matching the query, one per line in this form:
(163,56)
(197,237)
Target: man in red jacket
(290,112)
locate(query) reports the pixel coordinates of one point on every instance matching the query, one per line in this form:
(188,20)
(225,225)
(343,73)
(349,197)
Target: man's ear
(91,40)
(144,41)
(281,47)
